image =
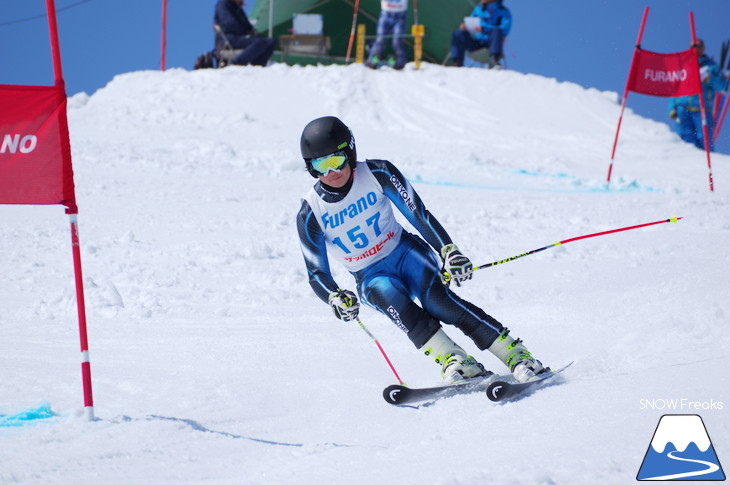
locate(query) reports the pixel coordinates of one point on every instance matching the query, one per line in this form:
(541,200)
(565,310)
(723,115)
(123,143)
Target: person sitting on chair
(236,27)
(495,21)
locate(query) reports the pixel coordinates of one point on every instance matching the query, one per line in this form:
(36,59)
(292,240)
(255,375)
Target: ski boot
(373,63)
(456,365)
(514,354)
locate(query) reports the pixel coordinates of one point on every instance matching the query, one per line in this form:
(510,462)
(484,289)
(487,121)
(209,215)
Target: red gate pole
(72,211)
(705,131)
(55,48)
(626,89)
(164,35)
(85,362)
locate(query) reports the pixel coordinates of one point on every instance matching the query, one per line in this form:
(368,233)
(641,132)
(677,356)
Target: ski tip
(496,390)
(392,394)
(564,367)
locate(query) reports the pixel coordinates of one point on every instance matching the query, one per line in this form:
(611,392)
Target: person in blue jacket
(685,110)
(348,215)
(495,22)
(234,23)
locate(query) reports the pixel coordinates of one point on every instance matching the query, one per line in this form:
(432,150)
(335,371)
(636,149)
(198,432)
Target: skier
(348,214)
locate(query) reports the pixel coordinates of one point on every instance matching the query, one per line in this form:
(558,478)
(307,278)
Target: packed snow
(213,361)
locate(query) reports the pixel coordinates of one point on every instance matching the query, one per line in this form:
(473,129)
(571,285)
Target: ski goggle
(335,162)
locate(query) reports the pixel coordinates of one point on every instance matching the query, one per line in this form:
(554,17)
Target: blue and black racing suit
(392,267)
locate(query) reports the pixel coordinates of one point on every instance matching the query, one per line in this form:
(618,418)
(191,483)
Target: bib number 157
(358,239)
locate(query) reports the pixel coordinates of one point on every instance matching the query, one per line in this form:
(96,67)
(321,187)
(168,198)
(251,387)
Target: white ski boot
(456,365)
(515,355)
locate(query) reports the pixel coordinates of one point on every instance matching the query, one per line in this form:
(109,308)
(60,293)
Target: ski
(498,388)
(502,390)
(399,394)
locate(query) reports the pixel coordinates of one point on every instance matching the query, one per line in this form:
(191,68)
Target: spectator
(685,110)
(234,23)
(495,21)
(392,20)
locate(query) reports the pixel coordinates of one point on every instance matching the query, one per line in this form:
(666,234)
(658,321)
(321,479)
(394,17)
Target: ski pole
(352,31)
(566,241)
(447,277)
(362,325)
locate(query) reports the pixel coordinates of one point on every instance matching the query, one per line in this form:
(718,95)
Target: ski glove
(344,304)
(456,267)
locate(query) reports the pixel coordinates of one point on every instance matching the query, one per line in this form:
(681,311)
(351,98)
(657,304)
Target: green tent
(440,18)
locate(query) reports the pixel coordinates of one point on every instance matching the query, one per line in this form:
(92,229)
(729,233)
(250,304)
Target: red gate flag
(35,166)
(665,75)
(668,76)
(35,154)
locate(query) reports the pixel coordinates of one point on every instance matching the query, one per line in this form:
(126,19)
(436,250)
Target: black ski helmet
(325,136)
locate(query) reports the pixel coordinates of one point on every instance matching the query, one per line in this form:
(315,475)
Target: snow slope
(212,360)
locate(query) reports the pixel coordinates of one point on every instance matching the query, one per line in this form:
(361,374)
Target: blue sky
(588,42)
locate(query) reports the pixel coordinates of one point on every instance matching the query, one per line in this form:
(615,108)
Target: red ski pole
(566,241)
(362,325)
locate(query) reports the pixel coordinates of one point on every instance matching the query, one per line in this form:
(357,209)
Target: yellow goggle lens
(334,162)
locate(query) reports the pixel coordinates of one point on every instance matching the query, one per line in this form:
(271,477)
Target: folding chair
(224,51)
